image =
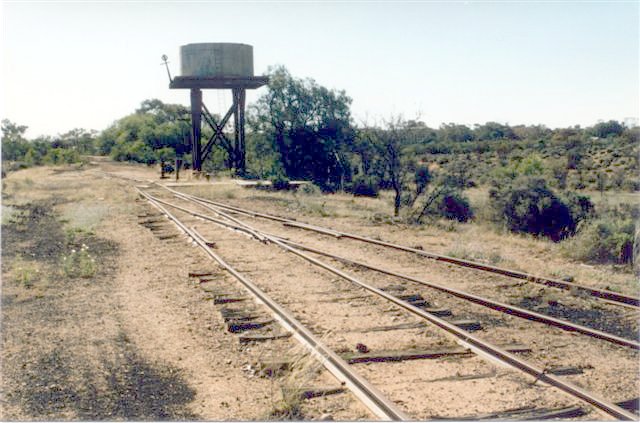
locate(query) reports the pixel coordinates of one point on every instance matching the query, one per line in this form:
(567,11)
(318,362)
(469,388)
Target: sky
(86,64)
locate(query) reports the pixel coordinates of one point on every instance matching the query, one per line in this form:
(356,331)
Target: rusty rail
(363,390)
(555,283)
(483,301)
(469,339)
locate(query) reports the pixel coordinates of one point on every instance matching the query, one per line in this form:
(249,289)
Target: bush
(580,205)
(603,241)
(455,206)
(364,187)
(279,182)
(310,189)
(527,205)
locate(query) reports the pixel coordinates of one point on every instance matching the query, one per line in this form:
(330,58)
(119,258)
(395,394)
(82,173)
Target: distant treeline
(298,129)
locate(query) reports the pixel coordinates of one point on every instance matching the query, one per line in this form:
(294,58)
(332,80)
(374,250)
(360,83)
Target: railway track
(543,373)
(554,283)
(484,301)
(224,219)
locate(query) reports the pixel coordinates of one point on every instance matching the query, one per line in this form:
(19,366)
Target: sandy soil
(137,340)
(142,340)
(335,309)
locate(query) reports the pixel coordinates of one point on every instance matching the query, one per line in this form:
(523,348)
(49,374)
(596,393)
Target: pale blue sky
(68,65)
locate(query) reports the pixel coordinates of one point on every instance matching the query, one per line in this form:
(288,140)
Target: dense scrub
(19,153)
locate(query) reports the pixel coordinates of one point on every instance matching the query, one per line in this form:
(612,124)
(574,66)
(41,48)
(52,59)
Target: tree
(494,131)
(399,166)
(14,145)
(81,140)
(309,127)
(396,164)
(606,129)
(451,132)
(154,126)
(532,132)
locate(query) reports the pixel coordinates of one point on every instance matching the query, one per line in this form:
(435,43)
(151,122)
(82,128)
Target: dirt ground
(130,336)
(133,340)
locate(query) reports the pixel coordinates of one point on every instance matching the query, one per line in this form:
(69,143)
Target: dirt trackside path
(98,318)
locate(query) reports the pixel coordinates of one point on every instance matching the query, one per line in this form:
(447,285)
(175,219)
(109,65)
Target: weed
(310,189)
(474,255)
(310,207)
(303,370)
(25,272)
(79,264)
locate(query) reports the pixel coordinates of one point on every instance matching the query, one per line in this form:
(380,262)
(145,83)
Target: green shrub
(279,183)
(364,186)
(527,205)
(455,206)
(603,241)
(310,189)
(580,205)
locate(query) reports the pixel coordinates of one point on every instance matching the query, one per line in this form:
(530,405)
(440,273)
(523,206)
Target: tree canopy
(308,126)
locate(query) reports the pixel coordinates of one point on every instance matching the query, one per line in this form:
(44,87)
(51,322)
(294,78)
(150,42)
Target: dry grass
(25,272)
(476,241)
(287,391)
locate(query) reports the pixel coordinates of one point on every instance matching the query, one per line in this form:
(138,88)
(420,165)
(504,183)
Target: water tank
(216,59)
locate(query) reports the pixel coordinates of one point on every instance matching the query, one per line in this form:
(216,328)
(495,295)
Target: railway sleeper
(200,273)
(245,339)
(567,370)
(236,312)
(148,223)
(166,236)
(236,326)
(404,355)
(411,298)
(468,325)
(227,300)
(536,414)
(306,393)
(391,288)
(523,413)
(154,226)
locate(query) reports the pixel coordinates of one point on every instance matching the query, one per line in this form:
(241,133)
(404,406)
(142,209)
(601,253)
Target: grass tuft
(25,272)
(79,263)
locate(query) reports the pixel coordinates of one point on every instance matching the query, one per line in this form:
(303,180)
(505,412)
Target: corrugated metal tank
(216,59)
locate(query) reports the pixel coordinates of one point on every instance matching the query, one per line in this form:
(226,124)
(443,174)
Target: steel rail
(486,302)
(483,301)
(363,390)
(470,339)
(555,283)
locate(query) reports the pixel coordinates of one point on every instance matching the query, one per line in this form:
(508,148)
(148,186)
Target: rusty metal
(597,293)
(486,302)
(473,341)
(496,352)
(362,389)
